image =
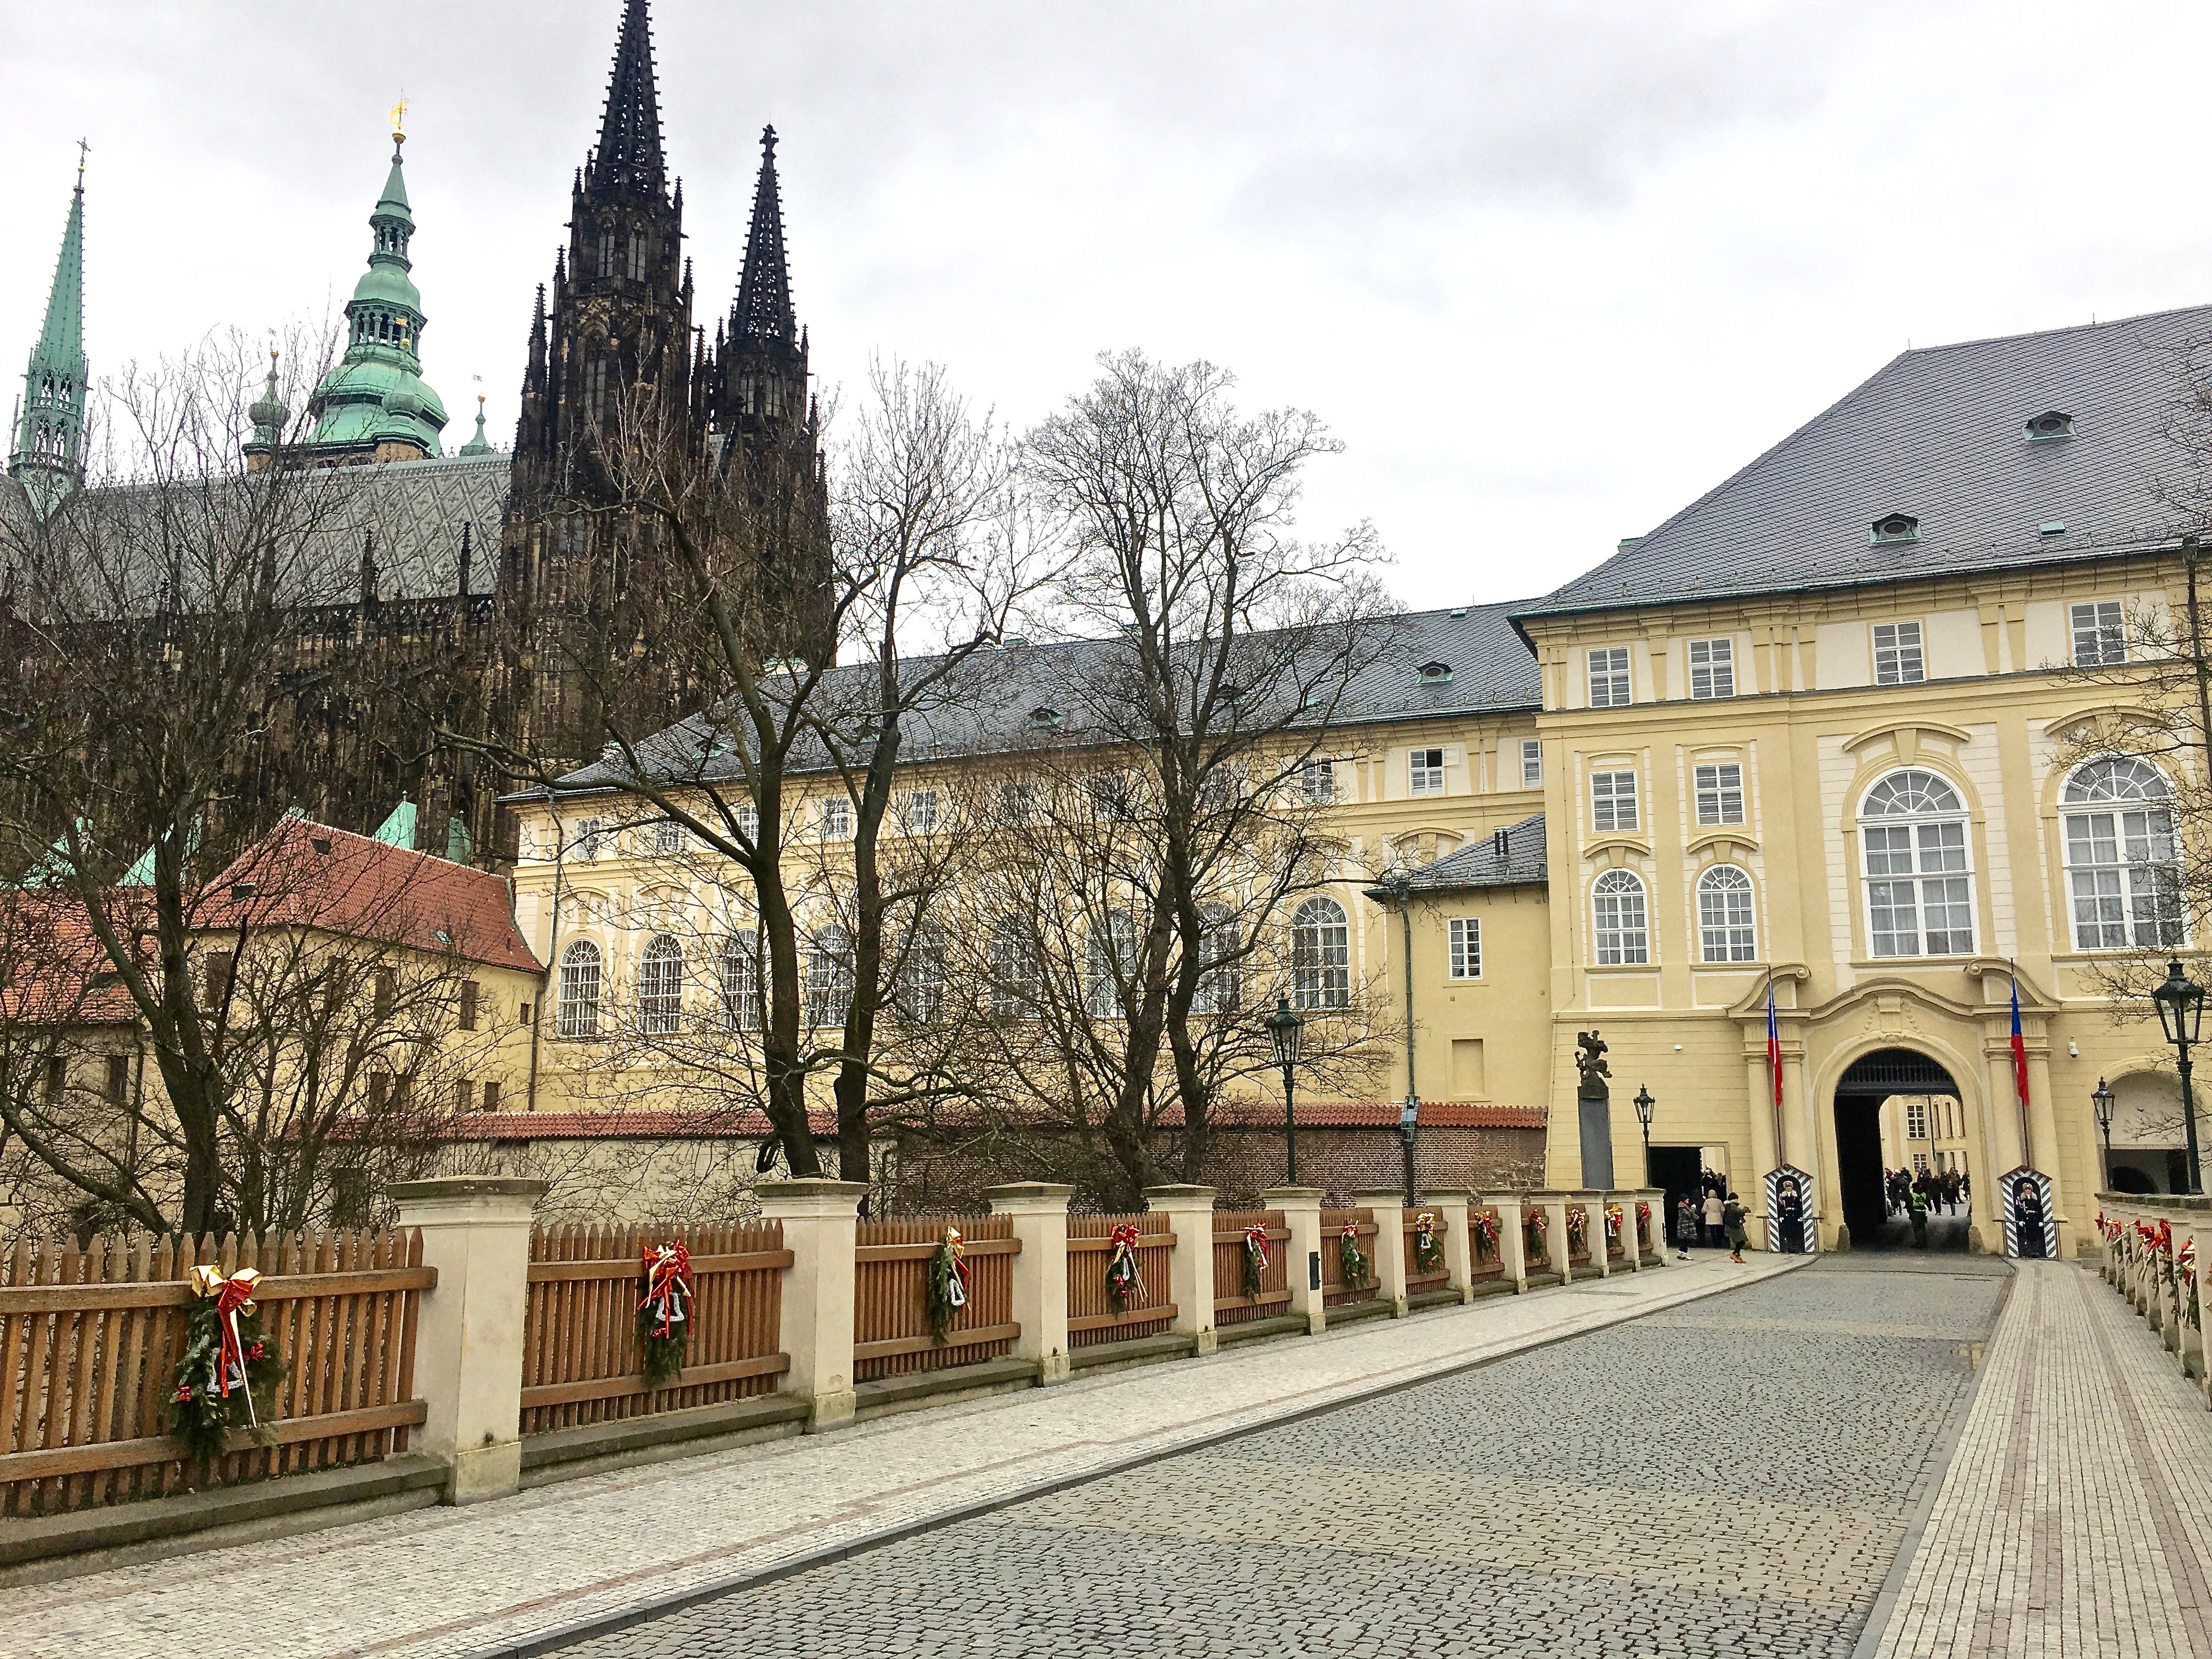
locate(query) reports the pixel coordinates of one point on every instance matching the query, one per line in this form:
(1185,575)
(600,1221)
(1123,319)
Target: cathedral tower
(49,427)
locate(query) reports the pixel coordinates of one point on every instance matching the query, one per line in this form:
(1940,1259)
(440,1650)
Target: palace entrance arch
(1866,1083)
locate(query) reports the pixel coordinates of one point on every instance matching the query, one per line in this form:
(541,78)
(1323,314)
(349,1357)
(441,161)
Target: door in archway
(1871,1079)
(1675,1170)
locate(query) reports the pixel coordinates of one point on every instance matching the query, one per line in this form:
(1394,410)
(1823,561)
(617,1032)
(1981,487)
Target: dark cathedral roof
(764,312)
(1943,436)
(629,131)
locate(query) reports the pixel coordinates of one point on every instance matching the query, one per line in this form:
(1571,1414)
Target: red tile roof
(308,875)
(52,971)
(1381,1114)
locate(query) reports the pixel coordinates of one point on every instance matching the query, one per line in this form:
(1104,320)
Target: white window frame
(2097,629)
(1532,762)
(1925,854)
(1317,782)
(2123,865)
(668,839)
(1463,946)
(1610,792)
(837,818)
(922,811)
(587,838)
(660,986)
(741,977)
(582,975)
(1718,784)
(1320,956)
(1609,686)
(1728,915)
(1621,920)
(1712,668)
(1916,1118)
(1425,771)
(829,978)
(1902,658)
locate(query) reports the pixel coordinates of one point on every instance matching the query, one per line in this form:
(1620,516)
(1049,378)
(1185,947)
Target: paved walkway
(456,1582)
(2073,1520)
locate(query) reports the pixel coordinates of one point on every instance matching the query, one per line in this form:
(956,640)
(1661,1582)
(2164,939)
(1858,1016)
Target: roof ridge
(2052,333)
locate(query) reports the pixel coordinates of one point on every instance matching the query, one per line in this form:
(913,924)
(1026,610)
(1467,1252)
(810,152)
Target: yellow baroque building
(1825,735)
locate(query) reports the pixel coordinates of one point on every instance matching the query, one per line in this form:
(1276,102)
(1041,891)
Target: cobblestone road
(1592,1496)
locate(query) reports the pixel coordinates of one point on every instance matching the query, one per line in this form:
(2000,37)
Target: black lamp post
(2180,1002)
(1398,892)
(2101,1103)
(1643,1104)
(1285,1031)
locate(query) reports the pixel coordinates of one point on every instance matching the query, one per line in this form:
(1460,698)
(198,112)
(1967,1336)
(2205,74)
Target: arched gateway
(1871,1079)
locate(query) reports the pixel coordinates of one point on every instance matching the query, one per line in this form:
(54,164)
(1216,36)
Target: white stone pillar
(1554,1206)
(1301,1209)
(821,1229)
(1390,1218)
(1451,1208)
(1592,1208)
(1512,1247)
(1187,1212)
(1656,1200)
(1039,1214)
(468,1331)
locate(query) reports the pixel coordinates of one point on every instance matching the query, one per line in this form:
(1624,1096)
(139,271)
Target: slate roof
(987,709)
(1480,863)
(1940,434)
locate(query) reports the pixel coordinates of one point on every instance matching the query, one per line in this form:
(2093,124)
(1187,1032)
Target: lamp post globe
(1286,1035)
(2180,1003)
(2101,1102)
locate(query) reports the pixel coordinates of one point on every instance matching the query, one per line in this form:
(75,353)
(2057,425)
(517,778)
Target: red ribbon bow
(667,1283)
(1255,1238)
(233,1296)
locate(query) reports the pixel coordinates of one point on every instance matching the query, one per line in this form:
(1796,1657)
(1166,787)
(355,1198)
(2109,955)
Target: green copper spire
(374,404)
(49,424)
(478,445)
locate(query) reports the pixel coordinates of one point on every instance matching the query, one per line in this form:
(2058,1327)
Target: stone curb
(640,1613)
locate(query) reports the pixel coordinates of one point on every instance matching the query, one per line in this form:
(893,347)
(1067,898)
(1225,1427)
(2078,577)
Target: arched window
(1622,932)
(741,989)
(1321,955)
(1726,932)
(2120,863)
(1920,883)
(922,976)
(660,987)
(1014,977)
(580,990)
(829,977)
(1109,959)
(1221,976)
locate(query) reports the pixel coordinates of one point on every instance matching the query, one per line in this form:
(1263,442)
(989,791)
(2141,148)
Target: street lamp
(2101,1103)
(1398,892)
(2180,1002)
(1285,1031)
(1643,1104)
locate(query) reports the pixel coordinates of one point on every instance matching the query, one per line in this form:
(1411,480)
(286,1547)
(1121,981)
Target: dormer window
(2051,423)
(1436,673)
(1044,715)
(1894,528)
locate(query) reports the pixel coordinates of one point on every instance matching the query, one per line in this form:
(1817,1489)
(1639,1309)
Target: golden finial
(399,120)
(82,148)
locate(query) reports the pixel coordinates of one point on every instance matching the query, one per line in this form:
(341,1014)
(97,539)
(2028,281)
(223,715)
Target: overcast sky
(1550,270)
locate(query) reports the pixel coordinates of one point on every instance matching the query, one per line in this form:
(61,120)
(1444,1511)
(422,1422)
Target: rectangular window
(1317,782)
(118,1079)
(1608,676)
(1897,656)
(1425,771)
(836,820)
(1920,1163)
(1720,792)
(1465,947)
(218,981)
(667,839)
(1017,801)
(748,818)
(57,1078)
(587,838)
(1919,894)
(385,985)
(379,1086)
(2099,636)
(1613,801)
(470,992)
(1916,1120)
(606,253)
(463,1093)
(921,812)
(488,1096)
(636,256)
(1712,668)
(1532,763)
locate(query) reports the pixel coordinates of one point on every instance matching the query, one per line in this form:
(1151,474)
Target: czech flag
(2019,1050)
(1774,1042)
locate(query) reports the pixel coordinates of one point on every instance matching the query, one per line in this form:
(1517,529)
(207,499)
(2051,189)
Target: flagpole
(2020,1068)
(1774,1074)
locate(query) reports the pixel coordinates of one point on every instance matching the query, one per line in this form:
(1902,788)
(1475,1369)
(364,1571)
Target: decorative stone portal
(1872,1079)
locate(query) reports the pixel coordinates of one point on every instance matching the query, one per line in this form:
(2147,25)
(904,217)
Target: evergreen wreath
(1428,1249)
(1534,1227)
(664,1314)
(226,1364)
(1349,1257)
(1577,1229)
(948,1283)
(1484,1227)
(1125,1281)
(1255,1259)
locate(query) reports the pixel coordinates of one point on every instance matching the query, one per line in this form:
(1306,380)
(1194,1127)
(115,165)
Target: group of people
(1709,1215)
(1920,1196)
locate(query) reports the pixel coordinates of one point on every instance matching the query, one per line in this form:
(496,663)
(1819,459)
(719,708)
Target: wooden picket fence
(1485,1261)
(891,1335)
(581,1361)
(90,1338)
(1335,1293)
(1091,1317)
(1235,1307)
(1419,1280)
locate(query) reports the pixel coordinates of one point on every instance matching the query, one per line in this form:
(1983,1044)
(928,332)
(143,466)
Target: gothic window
(580,990)
(606,253)
(741,988)
(1919,880)
(637,255)
(1321,955)
(1622,933)
(2120,859)
(1726,931)
(660,987)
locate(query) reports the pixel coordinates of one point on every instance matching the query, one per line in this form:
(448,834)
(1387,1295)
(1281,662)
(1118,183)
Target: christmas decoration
(1614,1218)
(1643,1222)
(1577,1230)
(948,1282)
(1349,1257)
(663,1317)
(1532,1232)
(1428,1249)
(1255,1259)
(1124,1283)
(1484,1226)
(226,1363)
(2184,1265)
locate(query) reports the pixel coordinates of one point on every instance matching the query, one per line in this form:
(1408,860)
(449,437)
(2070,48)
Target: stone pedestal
(468,1332)
(1187,1212)
(1554,1207)
(1592,1202)
(821,1229)
(1657,1201)
(1301,1209)
(1390,1216)
(1451,1208)
(1040,1215)
(1513,1245)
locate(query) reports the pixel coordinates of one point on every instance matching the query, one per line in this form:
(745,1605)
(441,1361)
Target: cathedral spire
(50,431)
(629,156)
(764,312)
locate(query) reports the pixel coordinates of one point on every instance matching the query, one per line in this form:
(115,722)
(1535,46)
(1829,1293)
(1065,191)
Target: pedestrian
(1685,1225)
(1732,1219)
(1790,1216)
(1915,1206)
(1714,1206)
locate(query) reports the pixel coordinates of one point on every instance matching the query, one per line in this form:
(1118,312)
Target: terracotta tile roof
(743,1122)
(309,875)
(1382,1114)
(52,971)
